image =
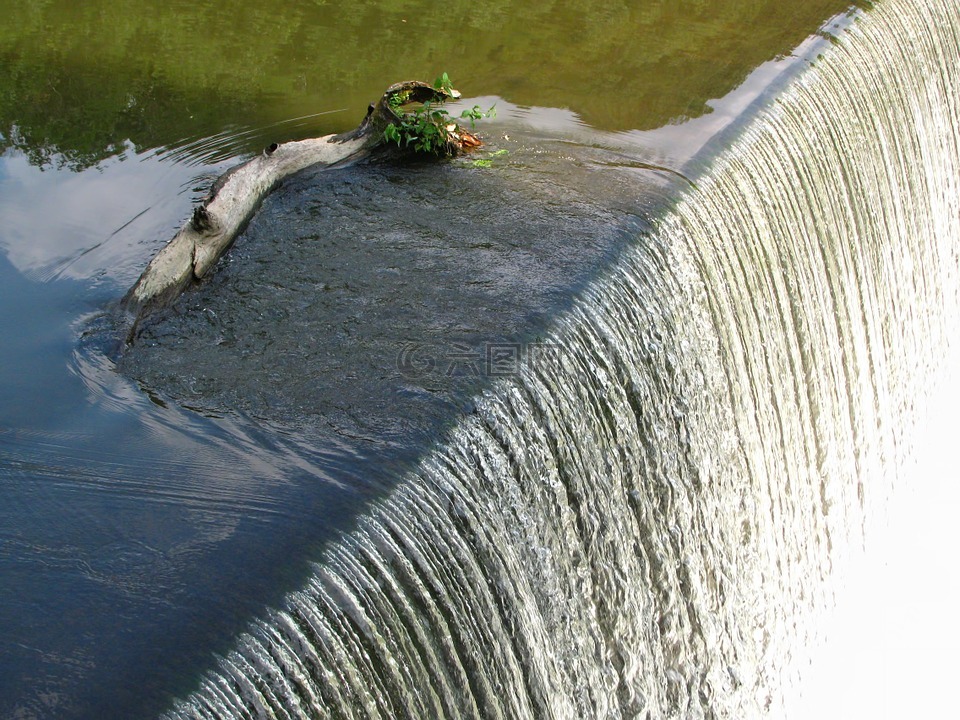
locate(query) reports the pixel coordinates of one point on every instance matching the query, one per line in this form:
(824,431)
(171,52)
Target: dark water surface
(154,501)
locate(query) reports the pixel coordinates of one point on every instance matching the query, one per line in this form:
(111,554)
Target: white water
(651,519)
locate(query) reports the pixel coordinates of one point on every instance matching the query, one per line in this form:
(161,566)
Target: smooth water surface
(83,80)
(156,500)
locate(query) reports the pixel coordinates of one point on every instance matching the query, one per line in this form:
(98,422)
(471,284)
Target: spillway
(644,521)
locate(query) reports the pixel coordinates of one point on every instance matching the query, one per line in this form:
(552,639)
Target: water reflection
(135,537)
(93,223)
(82,80)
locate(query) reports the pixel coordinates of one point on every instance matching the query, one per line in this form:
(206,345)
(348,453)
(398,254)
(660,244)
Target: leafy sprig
(430,128)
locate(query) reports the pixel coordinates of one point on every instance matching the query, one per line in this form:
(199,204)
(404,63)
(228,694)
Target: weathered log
(235,196)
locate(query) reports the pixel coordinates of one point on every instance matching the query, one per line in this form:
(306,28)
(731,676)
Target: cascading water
(645,520)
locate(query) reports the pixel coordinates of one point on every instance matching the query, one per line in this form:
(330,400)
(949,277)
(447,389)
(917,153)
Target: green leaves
(475,113)
(488,161)
(444,84)
(431,129)
(392,134)
(399,99)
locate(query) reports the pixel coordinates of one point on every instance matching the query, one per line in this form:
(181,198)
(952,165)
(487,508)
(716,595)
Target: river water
(591,431)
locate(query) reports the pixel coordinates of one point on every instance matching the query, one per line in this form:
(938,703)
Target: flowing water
(591,432)
(642,522)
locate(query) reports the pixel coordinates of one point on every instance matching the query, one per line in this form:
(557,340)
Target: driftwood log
(235,196)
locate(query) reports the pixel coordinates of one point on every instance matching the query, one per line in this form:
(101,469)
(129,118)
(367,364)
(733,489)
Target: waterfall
(645,521)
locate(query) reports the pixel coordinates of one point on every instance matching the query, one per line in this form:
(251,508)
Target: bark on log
(235,196)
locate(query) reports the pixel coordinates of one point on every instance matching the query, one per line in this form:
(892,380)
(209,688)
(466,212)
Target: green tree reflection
(81,80)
